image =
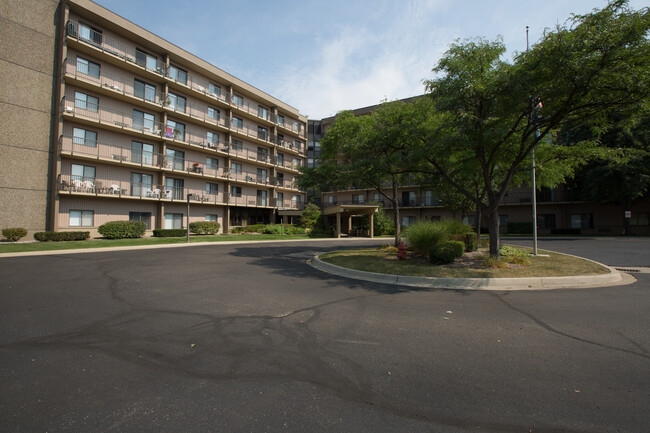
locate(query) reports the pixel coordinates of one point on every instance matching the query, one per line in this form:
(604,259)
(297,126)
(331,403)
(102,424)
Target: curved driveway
(249,338)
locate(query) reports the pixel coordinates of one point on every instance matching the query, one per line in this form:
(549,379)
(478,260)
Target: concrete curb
(500,284)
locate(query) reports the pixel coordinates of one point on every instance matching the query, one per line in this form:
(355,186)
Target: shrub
(253,228)
(14,234)
(383,224)
(446,252)
(456,227)
(424,234)
(122,229)
(514,255)
(389,248)
(309,216)
(521,227)
(169,233)
(287,229)
(205,227)
(61,236)
(493,262)
(320,231)
(469,239)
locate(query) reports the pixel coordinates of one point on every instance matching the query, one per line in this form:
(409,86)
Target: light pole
(187,237)
(533,116)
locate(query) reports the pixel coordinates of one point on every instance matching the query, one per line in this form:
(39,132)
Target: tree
(485,116)
(366,152)
(309,216)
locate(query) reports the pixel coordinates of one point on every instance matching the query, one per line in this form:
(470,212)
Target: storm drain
(635,270)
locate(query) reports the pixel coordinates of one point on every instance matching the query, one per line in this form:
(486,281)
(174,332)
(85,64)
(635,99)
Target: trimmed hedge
(287,229)
(446,252)
(205,227)
(122,229)
(169,233)
(521,227)
(469,239)
(61,236)
(14,234)
(253,228)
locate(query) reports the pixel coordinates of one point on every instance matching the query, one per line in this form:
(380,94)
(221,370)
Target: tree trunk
(494,232)
(398,237)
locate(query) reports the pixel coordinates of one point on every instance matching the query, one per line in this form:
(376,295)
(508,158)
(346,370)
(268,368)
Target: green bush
(205,227)
(383,224)
(61,236)
(14,234)
(253,228)
(122,229)
(320,231)
(446,252)
(514,255)
(169,233)
(469,239)
(309,216)
(521,227)
(425,234)
(456,227)
(287,229)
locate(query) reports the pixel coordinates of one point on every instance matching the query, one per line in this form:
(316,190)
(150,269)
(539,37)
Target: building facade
(140,127)
(560,210)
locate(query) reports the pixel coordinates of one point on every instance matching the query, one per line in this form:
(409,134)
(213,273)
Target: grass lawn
(101,243)
(470,266)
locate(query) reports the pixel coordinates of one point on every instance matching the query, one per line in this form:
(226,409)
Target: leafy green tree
(309,216)
(487,115)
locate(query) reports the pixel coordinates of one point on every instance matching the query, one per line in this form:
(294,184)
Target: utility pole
(534,119)
(187,238)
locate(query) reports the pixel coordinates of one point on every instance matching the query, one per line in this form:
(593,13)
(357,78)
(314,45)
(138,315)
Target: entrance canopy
(350,210)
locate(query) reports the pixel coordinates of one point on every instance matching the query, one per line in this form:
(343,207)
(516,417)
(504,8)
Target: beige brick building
(106,121)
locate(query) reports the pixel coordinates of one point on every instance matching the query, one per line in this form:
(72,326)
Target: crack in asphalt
(549,328)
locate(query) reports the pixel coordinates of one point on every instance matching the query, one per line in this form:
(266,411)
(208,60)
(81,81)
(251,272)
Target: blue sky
(323,57)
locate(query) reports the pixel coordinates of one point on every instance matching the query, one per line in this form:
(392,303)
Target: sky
(323,57)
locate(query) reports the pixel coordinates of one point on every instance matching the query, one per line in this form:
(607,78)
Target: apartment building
(560,210)
(138,128)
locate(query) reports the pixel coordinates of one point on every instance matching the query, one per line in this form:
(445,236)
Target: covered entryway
(347,211)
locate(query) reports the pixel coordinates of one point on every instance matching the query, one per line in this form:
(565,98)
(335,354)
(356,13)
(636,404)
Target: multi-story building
(560,210)
(136,127)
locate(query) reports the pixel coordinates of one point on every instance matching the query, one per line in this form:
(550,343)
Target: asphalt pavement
(250,338)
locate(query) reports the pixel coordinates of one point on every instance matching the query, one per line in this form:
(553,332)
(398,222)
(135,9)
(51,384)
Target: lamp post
(187,237)
(534,118)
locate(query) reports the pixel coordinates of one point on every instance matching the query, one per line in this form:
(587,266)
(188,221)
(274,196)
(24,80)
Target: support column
(350,225)
(372,225)
(338,224)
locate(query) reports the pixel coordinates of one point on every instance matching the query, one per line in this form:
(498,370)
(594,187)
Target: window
(87,67)
(143,121)
(263,112)
(212,163)
(147,60)
(176,102)
(174,188)
(262,154)
(280,159)
(238,100)
(261,175)
(358,198)
(145,217)
(639,219)
(298,144)
(82,218)
(211,188)
(310,162)
(173,220)
(141,153)
(298,126)
(237,144)
(408,198)
(176,129)
(261,197)
(85,137)
(175,159)
(376,198)
(546,221)
(213,113)
(331,199)
(177,74)
(262,133)
(237,122)
(214,90)
(90,34)
(280,119)
(82,173)
(144,90)
(503,220)
(429,199)
(235,191)
(297,199)
(279,197)
(86,102)
(141,184)
(212,137)
(582,221)
(280,179)
(213,218)
(236,168)
(408,221)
